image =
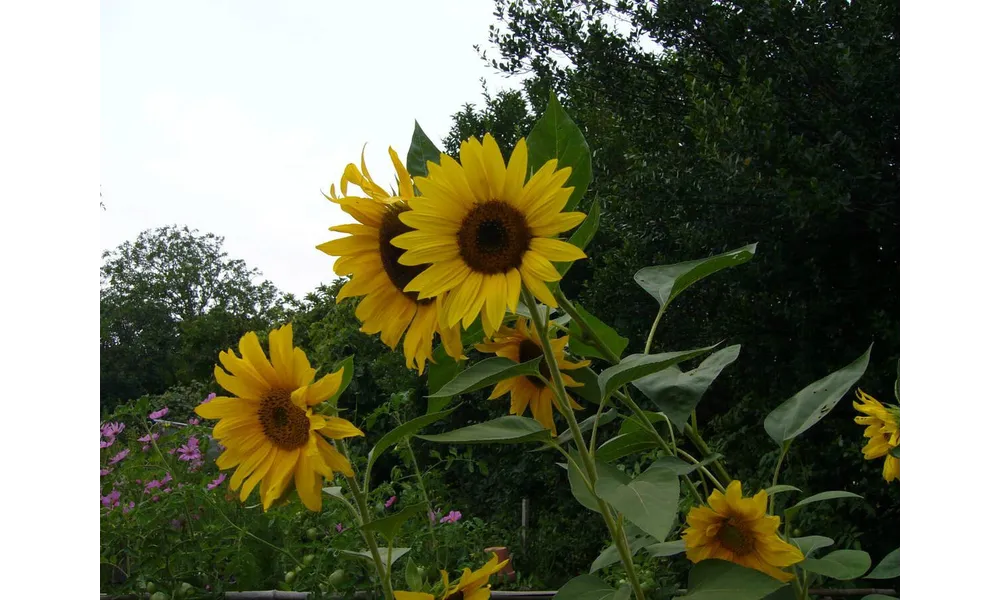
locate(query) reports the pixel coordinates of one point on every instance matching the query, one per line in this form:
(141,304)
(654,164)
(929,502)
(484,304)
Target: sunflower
(738,529)
(469,587)
(366,254)
(268,428)
(882,430)
(485,232)
(522,344)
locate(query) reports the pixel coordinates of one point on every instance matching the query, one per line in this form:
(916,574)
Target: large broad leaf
(820,497)
(582,345)
(591,388)
(585,587)
(610,556)
(623,445)
(631,423)
(812,403)
(422,149)
(666,548)
(441,370)
(587,424)
(390,526)
(812,543)
(649,501)
(397,553)
(888,568)
(578,487)
(583,235)
(722,580)
(485,373)
(636,366)
(839,564)
(404,430)
(677,392)
(555,135)
(412,575)
(666,282)
(509,430)
(682,467)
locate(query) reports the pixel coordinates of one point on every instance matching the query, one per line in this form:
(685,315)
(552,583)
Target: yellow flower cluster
(882,430)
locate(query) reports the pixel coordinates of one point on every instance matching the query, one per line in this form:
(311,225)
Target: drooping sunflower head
(471,586)
(485,232)
(372,262)
(738,530)
(882,430)
(522,344)
(268,426)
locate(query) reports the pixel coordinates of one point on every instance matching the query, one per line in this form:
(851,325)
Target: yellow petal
(556,250)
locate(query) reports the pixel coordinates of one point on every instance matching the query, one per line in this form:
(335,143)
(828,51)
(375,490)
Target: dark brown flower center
(493,237)
(735,539)
(529,350)
(399,275)
(285,424)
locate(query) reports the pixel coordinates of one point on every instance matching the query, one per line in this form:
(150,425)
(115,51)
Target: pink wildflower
(452,517)
(167,490)
(152,485)
(390,502)
(156,498)
(107,442)
(110,430)
(127,508)
(216,482)
(111,500)
(193,421)
(105,472)
(149,437)
(119,457)
(209,398)
(167,478)
(339,527)
(159,414)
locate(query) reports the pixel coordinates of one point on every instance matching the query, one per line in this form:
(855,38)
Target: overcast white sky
(231,117)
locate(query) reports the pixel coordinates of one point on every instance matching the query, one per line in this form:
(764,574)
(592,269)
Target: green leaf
(591,389)
(722,580)
(581,344)
(555,135)
(335,491)
(888,568)
(636,366)
(666,548)
(682,467)
(677,392)
(812,403)
(609,556)
(585,587)
(839,564)
(624,592)
(510,430)
(485,373)
(441,370)
(422,149)
(812,543)
(626,444)
(894,452)
(587,424)
(397,553)
(583,235)
(649,501)
(390,526)
(413,579)
(406,429)
(329,406)
(820,497)
(578,486)
(777,489)
(666,282)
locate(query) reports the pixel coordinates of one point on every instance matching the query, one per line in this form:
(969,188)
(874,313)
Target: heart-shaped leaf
(839,564)
(556,136)
(677,392)
(636,366)
(666,282)
(649,501)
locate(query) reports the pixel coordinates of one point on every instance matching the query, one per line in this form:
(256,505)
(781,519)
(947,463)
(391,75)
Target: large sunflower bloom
(471,586)
(485,232)
(738,529)
(372,262)
(268,428)
(882,432)
(522,344)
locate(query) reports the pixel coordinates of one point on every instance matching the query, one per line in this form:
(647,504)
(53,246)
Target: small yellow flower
(376,274)
(882,431)
(485,232)
(471,586)
(268,428)
(738,530)
(522,344)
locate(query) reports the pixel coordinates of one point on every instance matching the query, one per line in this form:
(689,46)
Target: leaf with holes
(556,136)
(677,392)
(636,366)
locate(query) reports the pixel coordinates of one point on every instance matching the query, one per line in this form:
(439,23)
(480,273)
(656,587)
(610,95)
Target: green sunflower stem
(702,447)
(569,309)
(360,500)
(652,330)
(562,399)
(777,470)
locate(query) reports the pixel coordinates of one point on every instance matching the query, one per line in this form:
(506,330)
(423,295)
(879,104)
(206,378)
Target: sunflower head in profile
(485,232)
(472,585)
(372,263)
(522,344)
(882,431)
(738,530)
(268,426)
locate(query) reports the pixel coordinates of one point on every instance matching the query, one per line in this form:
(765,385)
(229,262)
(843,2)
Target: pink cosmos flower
(110,430)
(216,482)
(167,490)
(117,458)
(159,414)
(339,527)
(167,478)
(127,508)
(105,472)
(149,437)
(189,452)
(452,517)
(106,443)
(152,485)
(390,502)
(193,421)
(209,398)
(111,500)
